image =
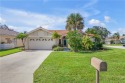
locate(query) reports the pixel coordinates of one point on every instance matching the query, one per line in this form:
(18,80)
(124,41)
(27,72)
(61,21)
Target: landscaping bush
(61,45)
(97,46)
(58,49)
(87,43)
(2,42)
(112,42)
(54,46)
(74,40)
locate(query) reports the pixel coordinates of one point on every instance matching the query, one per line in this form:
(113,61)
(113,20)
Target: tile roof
(122,37)
(4,30)
(61,32)
(64,32)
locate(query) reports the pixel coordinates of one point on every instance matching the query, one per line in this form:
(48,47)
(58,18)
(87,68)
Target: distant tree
(116,36)
(22,36)
(100,31)
(25,32)
(123,35)
(74,22)
(91,31)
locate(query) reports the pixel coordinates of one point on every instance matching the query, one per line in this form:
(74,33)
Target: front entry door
(64,42)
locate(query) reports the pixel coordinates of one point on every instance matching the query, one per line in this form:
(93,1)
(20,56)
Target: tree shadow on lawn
(9,49)
(95,51)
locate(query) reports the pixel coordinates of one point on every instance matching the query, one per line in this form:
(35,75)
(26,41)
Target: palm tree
(56,36)
(22,36)
(74,22)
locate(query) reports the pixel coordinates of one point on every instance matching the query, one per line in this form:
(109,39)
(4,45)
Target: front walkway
(120,47)
(19,67)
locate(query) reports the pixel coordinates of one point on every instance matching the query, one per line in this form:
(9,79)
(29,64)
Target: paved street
(120,47)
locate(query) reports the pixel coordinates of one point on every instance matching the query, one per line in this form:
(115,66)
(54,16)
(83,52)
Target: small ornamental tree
(74,40)
(55,35)
(22,36)
(87,43)
(97,32)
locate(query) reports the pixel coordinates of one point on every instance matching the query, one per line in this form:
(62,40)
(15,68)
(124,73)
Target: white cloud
(96,22)
(30,20)
(120,30)
(91,3)
(85,28)
(2,20)
(107,18)
(20,28)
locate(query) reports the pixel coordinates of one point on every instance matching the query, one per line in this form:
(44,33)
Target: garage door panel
(45,43)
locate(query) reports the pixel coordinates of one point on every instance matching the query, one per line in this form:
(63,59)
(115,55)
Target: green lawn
(9,51)
(69,67)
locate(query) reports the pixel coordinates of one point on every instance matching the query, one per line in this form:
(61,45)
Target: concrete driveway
(19,67)
(120,47)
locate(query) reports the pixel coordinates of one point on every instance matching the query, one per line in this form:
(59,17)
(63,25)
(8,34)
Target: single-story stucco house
(41,38)
(118,41)
(8,38)
(122,38)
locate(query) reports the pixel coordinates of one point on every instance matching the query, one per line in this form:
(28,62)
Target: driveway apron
(19,67)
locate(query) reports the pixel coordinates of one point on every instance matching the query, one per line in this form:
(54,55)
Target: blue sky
(25,15)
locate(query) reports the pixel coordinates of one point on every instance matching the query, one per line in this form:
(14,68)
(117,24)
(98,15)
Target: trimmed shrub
(97,46)
(112,42)
(58,49)
(2,42)
(54,46)
(71,50)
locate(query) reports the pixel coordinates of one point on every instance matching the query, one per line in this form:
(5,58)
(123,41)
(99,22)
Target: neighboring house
(108,40)
(111,40)
(122,38)
(41,38)
(8,38)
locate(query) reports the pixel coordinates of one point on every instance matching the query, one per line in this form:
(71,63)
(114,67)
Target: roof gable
(61,32)
(39,28)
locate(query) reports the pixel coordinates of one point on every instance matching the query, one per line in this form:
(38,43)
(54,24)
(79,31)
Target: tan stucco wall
(3,38)
(27,43)
(38,34)
(17,42)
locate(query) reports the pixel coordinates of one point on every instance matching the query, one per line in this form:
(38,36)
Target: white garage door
(41,43)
